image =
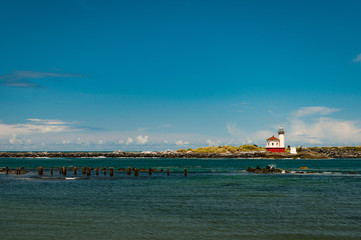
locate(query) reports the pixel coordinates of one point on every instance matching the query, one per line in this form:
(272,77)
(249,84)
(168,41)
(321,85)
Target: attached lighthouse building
(276,144)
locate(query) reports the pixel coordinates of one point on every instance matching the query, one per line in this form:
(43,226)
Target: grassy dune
(224,149)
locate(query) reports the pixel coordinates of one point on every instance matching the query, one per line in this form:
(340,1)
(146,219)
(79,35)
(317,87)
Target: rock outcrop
(267,169)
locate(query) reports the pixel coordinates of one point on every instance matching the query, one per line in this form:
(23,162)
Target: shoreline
(311,153)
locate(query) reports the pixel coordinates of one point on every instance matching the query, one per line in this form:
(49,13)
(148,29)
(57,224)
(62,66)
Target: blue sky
(157,75)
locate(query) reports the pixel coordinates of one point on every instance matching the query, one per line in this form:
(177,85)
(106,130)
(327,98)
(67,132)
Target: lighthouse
(281,137)
(276,144)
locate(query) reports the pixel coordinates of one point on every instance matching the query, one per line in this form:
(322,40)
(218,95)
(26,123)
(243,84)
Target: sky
(89,75)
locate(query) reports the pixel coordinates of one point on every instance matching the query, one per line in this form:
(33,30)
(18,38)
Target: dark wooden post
(64,171)
(40,171)
(83,171)
(74,168)
(97,171)
(167,171)
(111,171)
(60,170)
(185,172)
(136,172)
(105,170)
(88,171)
(150,171)
(129,171)
(7,170)
(51,171)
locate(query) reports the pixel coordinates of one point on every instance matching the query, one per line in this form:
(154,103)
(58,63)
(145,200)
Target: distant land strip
(302,153)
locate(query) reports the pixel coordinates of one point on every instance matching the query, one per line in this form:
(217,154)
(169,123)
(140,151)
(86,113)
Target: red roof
(272,138)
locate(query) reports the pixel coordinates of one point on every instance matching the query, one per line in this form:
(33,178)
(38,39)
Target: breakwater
(118,154)
(306,153)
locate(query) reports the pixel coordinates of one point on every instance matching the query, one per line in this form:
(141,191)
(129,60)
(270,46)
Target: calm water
(217,200)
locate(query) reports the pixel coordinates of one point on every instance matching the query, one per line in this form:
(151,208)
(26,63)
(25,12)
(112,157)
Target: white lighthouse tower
(281,137)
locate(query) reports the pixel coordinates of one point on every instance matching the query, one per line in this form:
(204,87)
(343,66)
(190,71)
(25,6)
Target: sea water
(217,200)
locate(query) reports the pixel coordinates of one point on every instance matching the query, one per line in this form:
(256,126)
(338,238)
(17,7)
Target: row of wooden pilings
(17,171)
(87,171)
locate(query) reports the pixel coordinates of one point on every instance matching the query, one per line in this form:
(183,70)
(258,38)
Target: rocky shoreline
(305,153)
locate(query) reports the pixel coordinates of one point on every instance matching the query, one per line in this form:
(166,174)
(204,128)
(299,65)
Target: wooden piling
(150,171)
(64,171)
(136,172)
(83,170)
(167,171)
(75,169)
(111,171)
(40,171)
(185,172)
(97,171)
(105,170)
(129,171)
(7,170)
(60,171)
(51,171)
(88,171)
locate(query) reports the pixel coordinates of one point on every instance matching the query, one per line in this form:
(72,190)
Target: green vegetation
(344,148)
(225,149)
(181,150)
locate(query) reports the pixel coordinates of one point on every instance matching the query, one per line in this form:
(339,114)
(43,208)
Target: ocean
(217,200)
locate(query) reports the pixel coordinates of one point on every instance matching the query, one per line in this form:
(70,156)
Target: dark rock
(250,169)
(258,170)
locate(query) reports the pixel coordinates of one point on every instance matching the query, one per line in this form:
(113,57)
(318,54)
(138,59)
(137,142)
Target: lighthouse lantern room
(276,144)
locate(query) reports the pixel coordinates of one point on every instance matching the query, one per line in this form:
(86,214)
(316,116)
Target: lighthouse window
(272,144)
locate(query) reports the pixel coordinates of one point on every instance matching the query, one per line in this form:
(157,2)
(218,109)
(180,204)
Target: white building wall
(281,137)
(273,143)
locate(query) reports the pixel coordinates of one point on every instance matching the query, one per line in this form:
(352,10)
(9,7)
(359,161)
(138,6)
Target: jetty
(304,153)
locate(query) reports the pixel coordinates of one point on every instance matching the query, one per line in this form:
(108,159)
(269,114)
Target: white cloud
(129,141)
(357,59)
(66,142)
(47,121)
(83,142)
(233,130)
(181,142)
(313,128)
(100,142)
(36,126)
(121,141)
(214,143)
(142,140)
(15,140)
(305,111)
(246,137)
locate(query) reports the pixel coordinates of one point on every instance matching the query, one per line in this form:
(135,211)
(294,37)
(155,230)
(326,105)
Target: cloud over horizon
(309,125)
(37,126)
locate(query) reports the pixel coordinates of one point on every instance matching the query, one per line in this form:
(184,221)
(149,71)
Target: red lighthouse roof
(273,138)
